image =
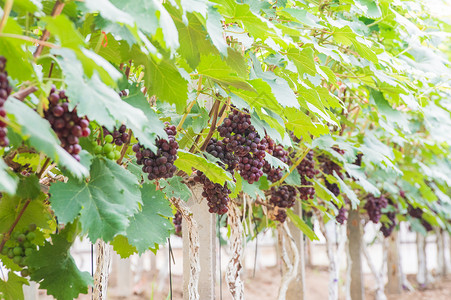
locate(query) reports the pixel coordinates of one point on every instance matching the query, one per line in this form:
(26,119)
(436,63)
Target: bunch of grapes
(358,160)
(160,164)
(217,195)
(241,138)
(280,214)
(418,214)
(5,91)
(219,150)
(283,196)
(307,171)
(20,246)
(341,216)
(374,206)
(68,126)
(329,167)
(387,228)
(118,137)
(177,221)
(275,174)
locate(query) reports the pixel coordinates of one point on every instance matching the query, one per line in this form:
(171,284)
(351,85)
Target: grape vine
(5,91)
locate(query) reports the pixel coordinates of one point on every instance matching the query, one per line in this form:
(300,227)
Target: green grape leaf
(186,161)
(122,246)
(101,103)
(175,188)
(56,271)
(41,136)
(36,212)
(108,11)
(275,163)
(299,223)
(149,226)
(12,289)
(8,182)
(348,192)
(64,29)
(213,67)
(105,202)
(303,60)
(215,30)
(29,187)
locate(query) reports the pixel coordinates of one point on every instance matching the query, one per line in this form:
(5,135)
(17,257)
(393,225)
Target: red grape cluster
(387,228)
(283,196)
(160,164)
(418,214)
(219,150)
(358,160)
(307,171)
(5,91)
(275,174)
(217,195)
(280,215)
(329,167)
(341,216)
(241,138)
(120,136)
(374,206)
(177,221)
(68,126)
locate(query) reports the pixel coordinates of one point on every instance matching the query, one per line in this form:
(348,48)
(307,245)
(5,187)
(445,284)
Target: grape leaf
(105,202)
(56,271)
(29,187)
(148,226)
(13,288)
(275,163)
(174,187)
(186,161)
(41,136)
(122,246)
(303,60)
(215,30)
(299,223)
(8,182)
(101,103)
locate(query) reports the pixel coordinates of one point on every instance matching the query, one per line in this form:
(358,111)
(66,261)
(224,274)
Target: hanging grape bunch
(329,167)
(217,195)
(119,136)
(307,171)
(374,206)
(280,214)
(68,126)
(341,216)
(177,221)
(274,174)
(5,91)
(283,196)
(20,246)
(160,164)
(417,213)
(219,150)
(241,138)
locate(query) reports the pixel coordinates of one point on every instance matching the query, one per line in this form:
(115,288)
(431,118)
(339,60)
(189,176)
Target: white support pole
(206,250)
(296,289)
(103,263)
(422,275)
(355,256)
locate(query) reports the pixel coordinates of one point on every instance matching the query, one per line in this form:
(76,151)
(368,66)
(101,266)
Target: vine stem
(57,9)
(190,106)
(213,125)
(124,147)
(6,11)
(297,162)
(8,234)
(44,166)
(29,39)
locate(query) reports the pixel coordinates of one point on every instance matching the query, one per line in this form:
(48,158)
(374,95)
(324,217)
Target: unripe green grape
(28,251)
(25,273)
(21,238)
(109,138)
(107,149)
(117,154)
(31,236)
(22,262)
(5,251)
(1,236)
(110,155)
(17,259)
(98,149)
(10,253)
(32,227)
(17,251)
(15,235)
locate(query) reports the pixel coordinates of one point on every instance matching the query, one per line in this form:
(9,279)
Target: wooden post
(355,256)
(207,247)
(296,289)
(394,284)
(422,275)
(103,262)
(441,258)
